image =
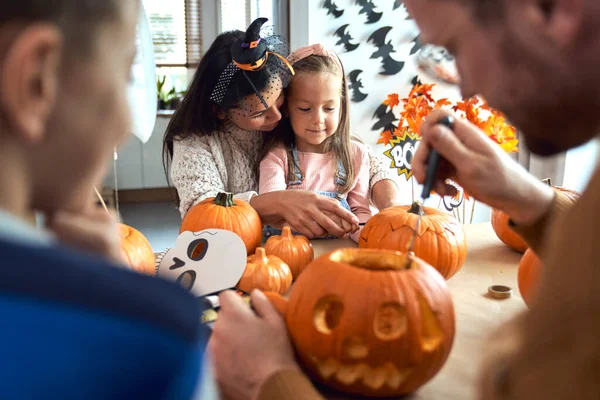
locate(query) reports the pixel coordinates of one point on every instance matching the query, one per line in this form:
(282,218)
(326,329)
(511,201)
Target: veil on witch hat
(253,54)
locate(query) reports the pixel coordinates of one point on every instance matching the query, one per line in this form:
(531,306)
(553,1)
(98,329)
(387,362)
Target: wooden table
(489,262)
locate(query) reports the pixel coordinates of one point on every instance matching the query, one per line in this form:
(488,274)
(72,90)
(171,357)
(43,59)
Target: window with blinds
(176,31)
(238,14)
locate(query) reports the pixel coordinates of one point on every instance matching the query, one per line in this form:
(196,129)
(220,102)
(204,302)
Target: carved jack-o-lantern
(365,322)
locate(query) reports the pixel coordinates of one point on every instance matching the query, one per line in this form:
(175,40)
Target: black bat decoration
(386,119)
(345,38)
(400,3)
(355,85)
(390,66)
(418,44)
(416,81)
(369,8)
(332,8)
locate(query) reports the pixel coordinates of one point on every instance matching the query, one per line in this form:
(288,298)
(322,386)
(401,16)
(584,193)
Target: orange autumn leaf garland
(385,137)
(419,103)
(495,126)
(392,100)
(417,106)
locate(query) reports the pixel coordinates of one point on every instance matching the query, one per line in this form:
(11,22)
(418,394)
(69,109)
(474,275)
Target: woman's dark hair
(197,113)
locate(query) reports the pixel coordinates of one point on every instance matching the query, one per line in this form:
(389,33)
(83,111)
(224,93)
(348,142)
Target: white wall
(580,165)
(139,166)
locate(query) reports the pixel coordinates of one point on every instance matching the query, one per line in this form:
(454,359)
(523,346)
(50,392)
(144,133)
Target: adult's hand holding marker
(470,158)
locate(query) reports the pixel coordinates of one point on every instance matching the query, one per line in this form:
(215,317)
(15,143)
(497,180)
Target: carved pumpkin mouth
(370,259)
(388,375)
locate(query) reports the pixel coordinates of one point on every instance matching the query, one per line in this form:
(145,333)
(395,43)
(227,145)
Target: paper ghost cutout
(452,202)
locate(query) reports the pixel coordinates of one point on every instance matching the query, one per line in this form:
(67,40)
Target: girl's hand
(307,213)
(95,231)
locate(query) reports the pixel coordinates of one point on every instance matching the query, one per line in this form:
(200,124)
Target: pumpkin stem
(287,233)
(224,200)
(261,255)
(416,208)
(547,181)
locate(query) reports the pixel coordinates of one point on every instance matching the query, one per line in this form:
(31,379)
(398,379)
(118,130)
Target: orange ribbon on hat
(262,62)
(314,50)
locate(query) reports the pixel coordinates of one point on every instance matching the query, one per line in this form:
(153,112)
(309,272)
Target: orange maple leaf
(385,137)
(392,100)
(442,102)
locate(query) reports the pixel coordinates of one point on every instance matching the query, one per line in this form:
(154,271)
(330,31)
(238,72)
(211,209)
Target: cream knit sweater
(225,161)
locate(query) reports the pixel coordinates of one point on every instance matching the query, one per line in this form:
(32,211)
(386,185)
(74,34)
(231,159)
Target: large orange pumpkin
(267,273)
(137,251)
(510,237)
(225,212)
(296,251)
(370,322)
(440,241)
(528,276)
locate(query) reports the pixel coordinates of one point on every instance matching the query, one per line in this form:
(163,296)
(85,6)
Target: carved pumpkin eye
(390,322)
(327,314)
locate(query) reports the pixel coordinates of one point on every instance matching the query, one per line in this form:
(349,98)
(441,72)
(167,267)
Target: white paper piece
(205,262)
(142,89)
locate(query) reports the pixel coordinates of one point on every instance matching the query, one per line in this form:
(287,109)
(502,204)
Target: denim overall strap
(340,174)
(297,172)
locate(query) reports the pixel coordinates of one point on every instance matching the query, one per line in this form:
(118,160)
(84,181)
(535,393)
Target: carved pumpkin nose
(355,347)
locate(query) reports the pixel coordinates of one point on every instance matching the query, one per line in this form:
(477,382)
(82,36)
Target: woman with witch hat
(213,141)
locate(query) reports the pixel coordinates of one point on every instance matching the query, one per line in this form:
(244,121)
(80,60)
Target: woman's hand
(247,348)
(305,212)
(481,167)
(95,231)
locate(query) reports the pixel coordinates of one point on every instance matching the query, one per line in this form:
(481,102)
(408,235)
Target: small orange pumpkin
(370,322)
(225,212)
(505,232)
(440,241)
(508,236)
(137,251)
(296,251)
(528,275)
(267,273)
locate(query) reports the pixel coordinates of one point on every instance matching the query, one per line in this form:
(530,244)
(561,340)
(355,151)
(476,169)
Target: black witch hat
(251,54)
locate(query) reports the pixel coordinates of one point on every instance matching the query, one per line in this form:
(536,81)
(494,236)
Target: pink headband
(316,50)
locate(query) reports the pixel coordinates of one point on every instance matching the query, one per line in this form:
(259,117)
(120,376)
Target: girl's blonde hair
(339,143)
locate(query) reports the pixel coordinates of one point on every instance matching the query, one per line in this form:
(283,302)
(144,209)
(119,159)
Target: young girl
(314,149)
